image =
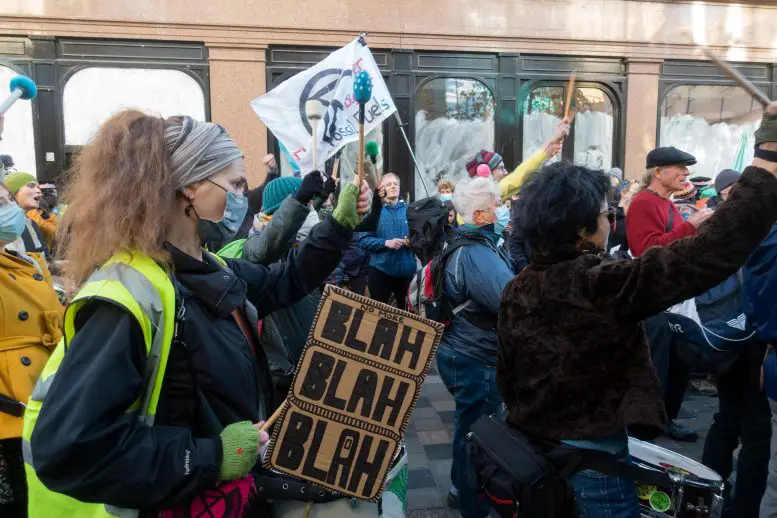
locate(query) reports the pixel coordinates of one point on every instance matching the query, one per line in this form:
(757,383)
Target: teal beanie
(278,190)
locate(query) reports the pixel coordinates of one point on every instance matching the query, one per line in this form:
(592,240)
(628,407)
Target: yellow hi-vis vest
(139,285)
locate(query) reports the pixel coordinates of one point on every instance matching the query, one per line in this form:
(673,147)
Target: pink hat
(483,171)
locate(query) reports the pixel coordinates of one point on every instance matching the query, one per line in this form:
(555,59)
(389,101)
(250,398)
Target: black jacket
(618,231)
(517,246)
(86,445)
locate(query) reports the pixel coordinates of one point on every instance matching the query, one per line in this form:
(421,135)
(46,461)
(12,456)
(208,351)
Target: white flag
(331,83)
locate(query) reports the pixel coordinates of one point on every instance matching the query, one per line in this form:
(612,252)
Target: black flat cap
(664,156)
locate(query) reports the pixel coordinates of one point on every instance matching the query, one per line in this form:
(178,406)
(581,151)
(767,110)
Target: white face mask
(502,218)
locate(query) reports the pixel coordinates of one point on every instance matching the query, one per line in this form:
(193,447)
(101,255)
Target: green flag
(739,159)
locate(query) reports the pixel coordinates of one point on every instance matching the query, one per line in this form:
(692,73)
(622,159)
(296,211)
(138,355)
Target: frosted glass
(93,94)
(454,120)
(19,135)
(712,122)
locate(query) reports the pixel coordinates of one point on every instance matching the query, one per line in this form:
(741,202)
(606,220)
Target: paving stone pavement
(430,435)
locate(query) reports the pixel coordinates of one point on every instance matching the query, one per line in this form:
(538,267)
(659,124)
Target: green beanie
(278,190)
(15,181)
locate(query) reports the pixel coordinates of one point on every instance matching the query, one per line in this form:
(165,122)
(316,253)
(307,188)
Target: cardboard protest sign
(356,385)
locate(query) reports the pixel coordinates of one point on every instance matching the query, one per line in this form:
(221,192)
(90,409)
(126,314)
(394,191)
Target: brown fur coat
(574,361)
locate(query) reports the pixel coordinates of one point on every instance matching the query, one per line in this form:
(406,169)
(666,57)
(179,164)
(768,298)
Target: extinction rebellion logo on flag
(329,82)
(319,88)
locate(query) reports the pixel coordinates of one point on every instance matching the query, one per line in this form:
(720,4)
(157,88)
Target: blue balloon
(26,85)
(362,87)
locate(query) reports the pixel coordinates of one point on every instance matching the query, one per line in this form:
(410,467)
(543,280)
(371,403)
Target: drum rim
(648,446)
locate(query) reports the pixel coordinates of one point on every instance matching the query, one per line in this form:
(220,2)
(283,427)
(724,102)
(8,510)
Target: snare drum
(695,490)
(394,498)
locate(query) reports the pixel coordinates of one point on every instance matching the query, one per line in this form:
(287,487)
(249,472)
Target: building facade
(464,75)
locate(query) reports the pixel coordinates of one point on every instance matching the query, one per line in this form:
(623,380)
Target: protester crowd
(555,281)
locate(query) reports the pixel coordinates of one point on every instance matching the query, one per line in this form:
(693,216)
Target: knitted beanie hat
(483,157)
(726,178)
(686,194)
(15,181)
(278,190)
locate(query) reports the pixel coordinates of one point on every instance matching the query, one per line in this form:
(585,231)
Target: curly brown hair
(120,195)
(445,183)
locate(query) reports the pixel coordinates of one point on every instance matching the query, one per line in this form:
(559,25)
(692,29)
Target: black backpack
(427,222)
(522,475)
(426,291)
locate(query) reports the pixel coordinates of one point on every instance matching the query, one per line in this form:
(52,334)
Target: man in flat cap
(653,220)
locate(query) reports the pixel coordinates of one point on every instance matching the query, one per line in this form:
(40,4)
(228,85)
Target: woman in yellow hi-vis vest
(153,398)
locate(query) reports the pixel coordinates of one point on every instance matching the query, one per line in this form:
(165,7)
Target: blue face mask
(12,220)
(225,229)
(446,197)
(502,218)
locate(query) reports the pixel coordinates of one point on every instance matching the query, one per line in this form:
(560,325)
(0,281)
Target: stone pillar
(237,76)
(641,113)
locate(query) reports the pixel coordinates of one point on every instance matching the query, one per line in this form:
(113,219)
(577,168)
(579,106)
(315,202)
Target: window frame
(72,72)
(420,86)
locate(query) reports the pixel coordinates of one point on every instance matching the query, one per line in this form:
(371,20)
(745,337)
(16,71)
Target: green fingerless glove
(239,442)
(345,213)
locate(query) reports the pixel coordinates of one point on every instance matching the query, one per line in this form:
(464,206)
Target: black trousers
(357,284)
(13,484)
(382,286)
(673,372)
(743,415)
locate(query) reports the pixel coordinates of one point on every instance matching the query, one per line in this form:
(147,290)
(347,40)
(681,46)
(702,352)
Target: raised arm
(511,184)
(281,284)
(664,276)
(277,238)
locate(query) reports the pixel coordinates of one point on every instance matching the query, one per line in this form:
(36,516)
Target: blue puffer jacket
(479,274)
(392,225)
(760,278)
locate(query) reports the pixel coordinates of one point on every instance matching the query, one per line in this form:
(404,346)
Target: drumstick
(274,417)
(738,78)
(314,111)
(362,93)
(335,168)
(570,89)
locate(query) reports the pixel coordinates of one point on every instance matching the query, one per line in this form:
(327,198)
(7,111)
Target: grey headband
(197,150)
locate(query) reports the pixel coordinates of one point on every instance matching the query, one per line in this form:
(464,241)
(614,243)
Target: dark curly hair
(557,203)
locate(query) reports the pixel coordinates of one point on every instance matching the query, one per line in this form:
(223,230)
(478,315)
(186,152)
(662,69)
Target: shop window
(93,94)
(594,131)
(19,135)
(594,134)
(712,122)
(454,120)
(543,109)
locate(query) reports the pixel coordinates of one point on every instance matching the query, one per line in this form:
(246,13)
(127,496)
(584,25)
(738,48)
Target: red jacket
(647,221)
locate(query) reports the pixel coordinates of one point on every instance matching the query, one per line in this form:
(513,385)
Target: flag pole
(418,167)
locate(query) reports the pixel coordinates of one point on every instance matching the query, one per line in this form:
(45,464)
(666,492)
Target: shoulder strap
(671,218)
(242,323)
(570,460)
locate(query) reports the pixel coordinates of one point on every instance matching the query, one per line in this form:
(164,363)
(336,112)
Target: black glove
(329,186)
(312,186)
